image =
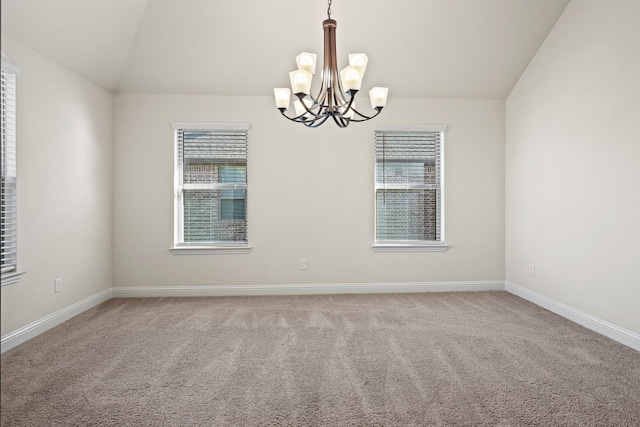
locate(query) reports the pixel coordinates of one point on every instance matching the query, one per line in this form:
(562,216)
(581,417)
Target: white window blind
(9,210)
(409,186)
(211,185)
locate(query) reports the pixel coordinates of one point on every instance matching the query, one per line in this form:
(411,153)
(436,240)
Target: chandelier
(337,91)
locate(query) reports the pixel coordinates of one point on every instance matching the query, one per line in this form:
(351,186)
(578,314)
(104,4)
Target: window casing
(409,188)
(210,188)
(8,181)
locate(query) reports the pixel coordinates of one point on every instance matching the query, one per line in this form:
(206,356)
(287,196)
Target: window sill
(209,250)
(410,247)
(11,278)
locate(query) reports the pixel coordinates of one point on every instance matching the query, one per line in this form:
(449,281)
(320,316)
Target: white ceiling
(418,48)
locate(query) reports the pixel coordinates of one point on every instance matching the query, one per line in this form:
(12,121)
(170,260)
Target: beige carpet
(449,359)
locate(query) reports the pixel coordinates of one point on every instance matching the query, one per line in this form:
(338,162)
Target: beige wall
(64,189)
(572,164)
(310,195)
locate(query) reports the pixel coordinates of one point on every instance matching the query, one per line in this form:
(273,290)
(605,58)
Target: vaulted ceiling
(418,48)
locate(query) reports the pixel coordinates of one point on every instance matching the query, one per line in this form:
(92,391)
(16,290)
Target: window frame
(203,248)
(393,245)
(10,72)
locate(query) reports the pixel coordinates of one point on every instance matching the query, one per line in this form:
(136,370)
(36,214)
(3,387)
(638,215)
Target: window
(409,188)
(8,183)
(210,188)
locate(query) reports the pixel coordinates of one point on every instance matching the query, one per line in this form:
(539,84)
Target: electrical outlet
(57,285)
(532,270)
(303,264)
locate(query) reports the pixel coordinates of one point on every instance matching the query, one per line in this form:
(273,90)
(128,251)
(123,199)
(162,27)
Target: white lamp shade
(300,81)
(359,60)
(282,95)
(307,61)
(378,97)
(351,78)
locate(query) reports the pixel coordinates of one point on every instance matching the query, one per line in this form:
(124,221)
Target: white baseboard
(616,333)
(24,334)
(305,289)
(19,336)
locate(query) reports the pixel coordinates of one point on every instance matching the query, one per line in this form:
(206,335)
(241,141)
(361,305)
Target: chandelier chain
(329,10)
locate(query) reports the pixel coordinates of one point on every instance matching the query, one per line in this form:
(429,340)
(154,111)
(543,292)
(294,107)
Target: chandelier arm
(339,94)
(313,124)
(365,118)
(340,120)
(317,115)
(322,96)
(310,122)
(297,119)
(348,104)
(316,121)
(325,83)
(293,119)
(314,100)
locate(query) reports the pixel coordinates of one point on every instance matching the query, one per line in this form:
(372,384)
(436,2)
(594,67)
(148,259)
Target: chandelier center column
(330,82)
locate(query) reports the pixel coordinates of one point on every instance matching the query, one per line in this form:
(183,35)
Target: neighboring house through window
(233,202)
(8,186)
(210,187)
(409,184)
